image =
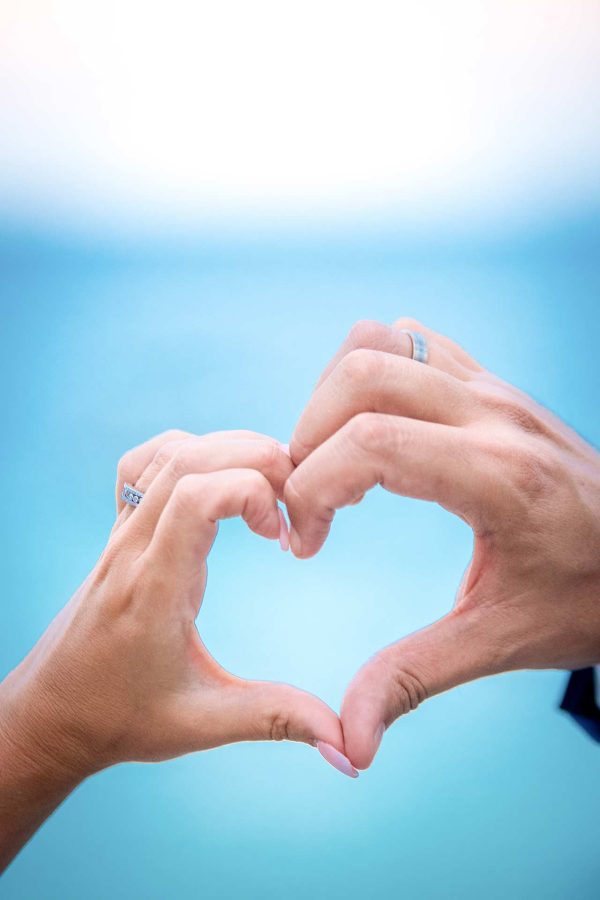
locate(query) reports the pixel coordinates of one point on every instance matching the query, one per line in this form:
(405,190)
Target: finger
(266,452)
(240,434)
(263,711)
(188,524)
(376,381)
(452,651)
(200,457)
(157,451)
(416,459)
(132,464)
(369,335)
(450,348)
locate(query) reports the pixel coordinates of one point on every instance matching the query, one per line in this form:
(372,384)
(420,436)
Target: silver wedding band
(420,348)
(131,496)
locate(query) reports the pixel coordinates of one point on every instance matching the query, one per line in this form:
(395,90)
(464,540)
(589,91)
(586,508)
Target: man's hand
(527,485)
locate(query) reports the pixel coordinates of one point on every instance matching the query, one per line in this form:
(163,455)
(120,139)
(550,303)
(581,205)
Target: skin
(122,673)
(528,486)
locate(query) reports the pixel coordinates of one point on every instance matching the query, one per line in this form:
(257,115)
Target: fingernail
(284,447)
(337,759)
(284,535)
(379,735)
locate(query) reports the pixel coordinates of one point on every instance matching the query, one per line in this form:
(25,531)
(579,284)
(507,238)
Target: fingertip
(267,523)
(302,547)
(293,448)
(298,546)
(363,751)
(297,451)
(362,716)
(295,543)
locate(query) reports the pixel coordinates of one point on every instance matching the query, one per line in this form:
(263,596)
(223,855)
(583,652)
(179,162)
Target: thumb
(398,678)
(266,711)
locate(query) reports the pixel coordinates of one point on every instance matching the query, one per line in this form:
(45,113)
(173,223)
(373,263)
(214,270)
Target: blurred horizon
(128,115)
(573,229)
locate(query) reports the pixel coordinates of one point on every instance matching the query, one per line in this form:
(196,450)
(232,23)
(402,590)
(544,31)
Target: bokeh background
(196,202)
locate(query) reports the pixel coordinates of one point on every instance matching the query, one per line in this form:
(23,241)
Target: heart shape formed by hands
(122,673)
(448,432)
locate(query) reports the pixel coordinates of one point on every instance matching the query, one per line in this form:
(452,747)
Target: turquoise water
(487,791)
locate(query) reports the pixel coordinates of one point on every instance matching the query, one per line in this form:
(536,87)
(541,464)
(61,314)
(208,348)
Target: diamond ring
(131,496)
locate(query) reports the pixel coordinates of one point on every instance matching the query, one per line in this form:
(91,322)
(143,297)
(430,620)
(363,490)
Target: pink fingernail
(337,759)
(285,447)
(284,535)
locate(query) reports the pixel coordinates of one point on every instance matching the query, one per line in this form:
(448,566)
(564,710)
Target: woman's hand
(528,486)
(122,674)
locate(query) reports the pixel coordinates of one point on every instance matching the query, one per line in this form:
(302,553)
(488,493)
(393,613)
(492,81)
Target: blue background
(487,791)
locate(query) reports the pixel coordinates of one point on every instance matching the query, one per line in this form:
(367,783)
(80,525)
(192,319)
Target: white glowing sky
(206,109)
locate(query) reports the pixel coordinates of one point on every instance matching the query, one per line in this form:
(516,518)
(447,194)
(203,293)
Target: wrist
(34,780)
(36,752)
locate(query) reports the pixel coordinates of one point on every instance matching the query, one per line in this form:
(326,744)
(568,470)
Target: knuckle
(371,432)
(269,456)
(257,497)
(255,483)
(166,454)
(506,404)
(175,434)
(168,439)
(178,457)
(367,333)
(359,367)
(407,690)
(525,419)
(278,726)
(188,491)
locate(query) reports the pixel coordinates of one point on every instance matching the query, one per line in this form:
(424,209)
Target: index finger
(375,381)
(423,460)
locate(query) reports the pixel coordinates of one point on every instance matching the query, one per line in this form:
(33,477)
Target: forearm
(32,783)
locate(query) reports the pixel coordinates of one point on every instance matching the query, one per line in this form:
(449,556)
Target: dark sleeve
(580,701)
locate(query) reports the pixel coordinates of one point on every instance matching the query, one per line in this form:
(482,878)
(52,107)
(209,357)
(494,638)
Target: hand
(526,483)
(122,674)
